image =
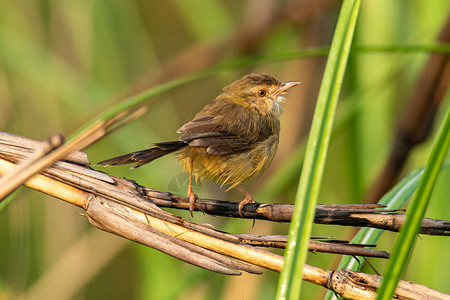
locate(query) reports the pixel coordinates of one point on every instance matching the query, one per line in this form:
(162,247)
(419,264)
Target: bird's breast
(231,168)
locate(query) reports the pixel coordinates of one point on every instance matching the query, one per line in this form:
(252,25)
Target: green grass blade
(416,210)
(394,199)
(300,230)
(4,203)
(143,96)
(250,61)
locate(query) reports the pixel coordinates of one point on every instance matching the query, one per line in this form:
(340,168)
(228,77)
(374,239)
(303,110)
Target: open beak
(285,86)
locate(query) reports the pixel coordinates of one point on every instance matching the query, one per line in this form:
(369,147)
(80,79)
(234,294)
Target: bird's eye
(262,93)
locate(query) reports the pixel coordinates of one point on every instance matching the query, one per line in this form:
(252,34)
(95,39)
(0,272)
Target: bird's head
(259,91)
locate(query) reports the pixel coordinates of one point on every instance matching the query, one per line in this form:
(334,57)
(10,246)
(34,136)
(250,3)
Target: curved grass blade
(394,199)
(9,198)
(300,230)
(253,61)
(416,211)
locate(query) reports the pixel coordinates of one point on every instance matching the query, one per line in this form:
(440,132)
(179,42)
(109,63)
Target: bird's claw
(192,197)
(248,199)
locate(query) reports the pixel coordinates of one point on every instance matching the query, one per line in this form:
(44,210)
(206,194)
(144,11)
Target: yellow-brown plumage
(230,139)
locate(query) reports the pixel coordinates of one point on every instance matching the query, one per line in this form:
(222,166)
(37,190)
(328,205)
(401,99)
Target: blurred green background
(64,62)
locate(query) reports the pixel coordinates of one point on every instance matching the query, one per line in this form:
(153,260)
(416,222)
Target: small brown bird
(230,139)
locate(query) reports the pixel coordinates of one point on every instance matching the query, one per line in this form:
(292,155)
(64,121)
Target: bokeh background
(63,62)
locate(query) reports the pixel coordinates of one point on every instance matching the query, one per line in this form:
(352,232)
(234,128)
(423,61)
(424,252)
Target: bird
(231,139)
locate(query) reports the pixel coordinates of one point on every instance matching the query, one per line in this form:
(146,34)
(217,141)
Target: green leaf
(300,230)
(394,199)
(416,211)
(5,202)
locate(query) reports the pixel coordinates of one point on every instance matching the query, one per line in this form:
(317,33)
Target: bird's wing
(210,133)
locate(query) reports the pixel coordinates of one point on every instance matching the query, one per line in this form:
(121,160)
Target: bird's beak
(285,86)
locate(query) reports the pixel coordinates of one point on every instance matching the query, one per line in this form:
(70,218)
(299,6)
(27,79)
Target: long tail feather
(143,157)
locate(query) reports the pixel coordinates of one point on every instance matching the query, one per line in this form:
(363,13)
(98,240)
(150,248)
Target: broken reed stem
(351,285)
(255,256)
(50,186)
(15,148)
(27,168)
(54,149)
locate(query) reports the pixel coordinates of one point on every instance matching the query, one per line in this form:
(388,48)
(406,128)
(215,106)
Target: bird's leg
(248,199)
(191,195)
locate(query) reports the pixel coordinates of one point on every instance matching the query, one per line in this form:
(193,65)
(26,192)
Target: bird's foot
(248,199)
(192,197)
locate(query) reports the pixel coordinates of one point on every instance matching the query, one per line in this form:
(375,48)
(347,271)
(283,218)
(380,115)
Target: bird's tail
(143,157)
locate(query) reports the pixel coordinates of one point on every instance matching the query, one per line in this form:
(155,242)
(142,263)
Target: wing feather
(209,132)
(222,134)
